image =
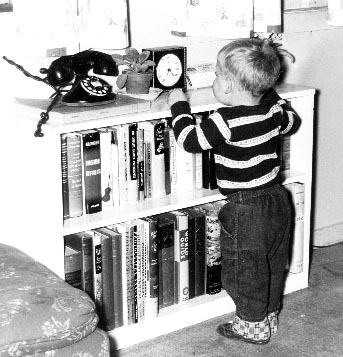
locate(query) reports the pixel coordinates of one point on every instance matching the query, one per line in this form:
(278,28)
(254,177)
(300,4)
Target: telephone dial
(86,90)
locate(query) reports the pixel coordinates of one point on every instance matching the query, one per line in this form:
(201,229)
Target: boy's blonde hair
(252,63)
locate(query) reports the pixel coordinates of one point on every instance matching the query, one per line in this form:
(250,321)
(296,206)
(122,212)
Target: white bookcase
(32,212)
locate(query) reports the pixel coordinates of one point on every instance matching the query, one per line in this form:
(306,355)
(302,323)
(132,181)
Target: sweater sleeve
(194,137)
(290,120)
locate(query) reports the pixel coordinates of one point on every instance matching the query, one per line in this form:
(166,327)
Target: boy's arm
(290,121)
(191,137)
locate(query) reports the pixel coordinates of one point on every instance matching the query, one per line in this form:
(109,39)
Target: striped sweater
(244,139)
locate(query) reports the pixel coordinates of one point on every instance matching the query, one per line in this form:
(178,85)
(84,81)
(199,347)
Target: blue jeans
(254,244)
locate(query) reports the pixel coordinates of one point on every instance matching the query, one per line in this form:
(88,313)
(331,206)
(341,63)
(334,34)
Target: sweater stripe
(243,164)
(251,119)
(249,184)
(258,140)
(290,123)
(221,125)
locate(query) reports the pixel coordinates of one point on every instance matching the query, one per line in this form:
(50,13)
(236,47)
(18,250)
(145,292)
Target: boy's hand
(176,95)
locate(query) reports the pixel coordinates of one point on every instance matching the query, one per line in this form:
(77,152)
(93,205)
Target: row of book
(134,269)
(122,164)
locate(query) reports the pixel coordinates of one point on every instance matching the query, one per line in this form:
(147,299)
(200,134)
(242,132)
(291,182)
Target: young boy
(244,135)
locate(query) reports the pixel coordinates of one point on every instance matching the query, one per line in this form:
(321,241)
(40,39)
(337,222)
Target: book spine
(107,316)
(123,159)
(165,236)
(140,164)
(75,175)
(132,164)
(184,170)
(106,167)
(72,266)
(115,167)
(167,160)
(87,266)
(213,178)
(191,254)
(285,144)
(154,139)
(64,171)
(116,238)
(197,159)
(181,257)
(97,271)
(122,230)
(213,251)
(92,172)
(152,276)
(200,254)
(296,259)
(206,169)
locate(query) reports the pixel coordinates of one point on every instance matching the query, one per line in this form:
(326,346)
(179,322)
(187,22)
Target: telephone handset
(73,70)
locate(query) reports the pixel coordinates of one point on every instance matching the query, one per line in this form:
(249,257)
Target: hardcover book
(296,258)
(106,315)
(213,251)
(127,229)
(117,273)
(82,242)
(208,170)
(106,155)
(71,175)
(132,168)
(152,268)
(72,266)
(91,158)
(181,267)
(197,252)
(165,239)
(154,138)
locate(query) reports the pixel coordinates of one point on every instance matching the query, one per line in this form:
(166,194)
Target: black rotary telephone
(73,70)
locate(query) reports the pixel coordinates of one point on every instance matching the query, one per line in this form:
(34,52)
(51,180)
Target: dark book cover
(117,273)
(83,242)
(132,163)
(72,266)
(92,170)
(212,245)
(165,239)
(208,170)
(197,252)
(167,160)
(106,314)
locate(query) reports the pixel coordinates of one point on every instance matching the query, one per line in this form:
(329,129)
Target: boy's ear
(229,85)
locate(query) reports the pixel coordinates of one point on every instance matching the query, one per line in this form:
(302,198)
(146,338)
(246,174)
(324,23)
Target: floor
(311,322)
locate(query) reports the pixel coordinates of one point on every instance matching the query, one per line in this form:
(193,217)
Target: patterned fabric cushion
(94,345)
(38,310)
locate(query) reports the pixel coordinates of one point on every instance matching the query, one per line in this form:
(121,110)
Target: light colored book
(154,139)
(296,259)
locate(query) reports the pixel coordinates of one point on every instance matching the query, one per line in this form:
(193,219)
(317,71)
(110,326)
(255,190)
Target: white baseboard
(328,235)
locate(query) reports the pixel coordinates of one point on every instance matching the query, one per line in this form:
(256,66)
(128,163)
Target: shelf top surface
(65,118)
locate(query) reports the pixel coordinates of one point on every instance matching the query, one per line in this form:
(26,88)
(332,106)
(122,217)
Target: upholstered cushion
(94,345)
(38,310)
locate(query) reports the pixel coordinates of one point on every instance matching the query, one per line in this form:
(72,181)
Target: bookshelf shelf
(34,209)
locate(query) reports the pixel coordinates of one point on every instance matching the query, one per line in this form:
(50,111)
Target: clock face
(169,70)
